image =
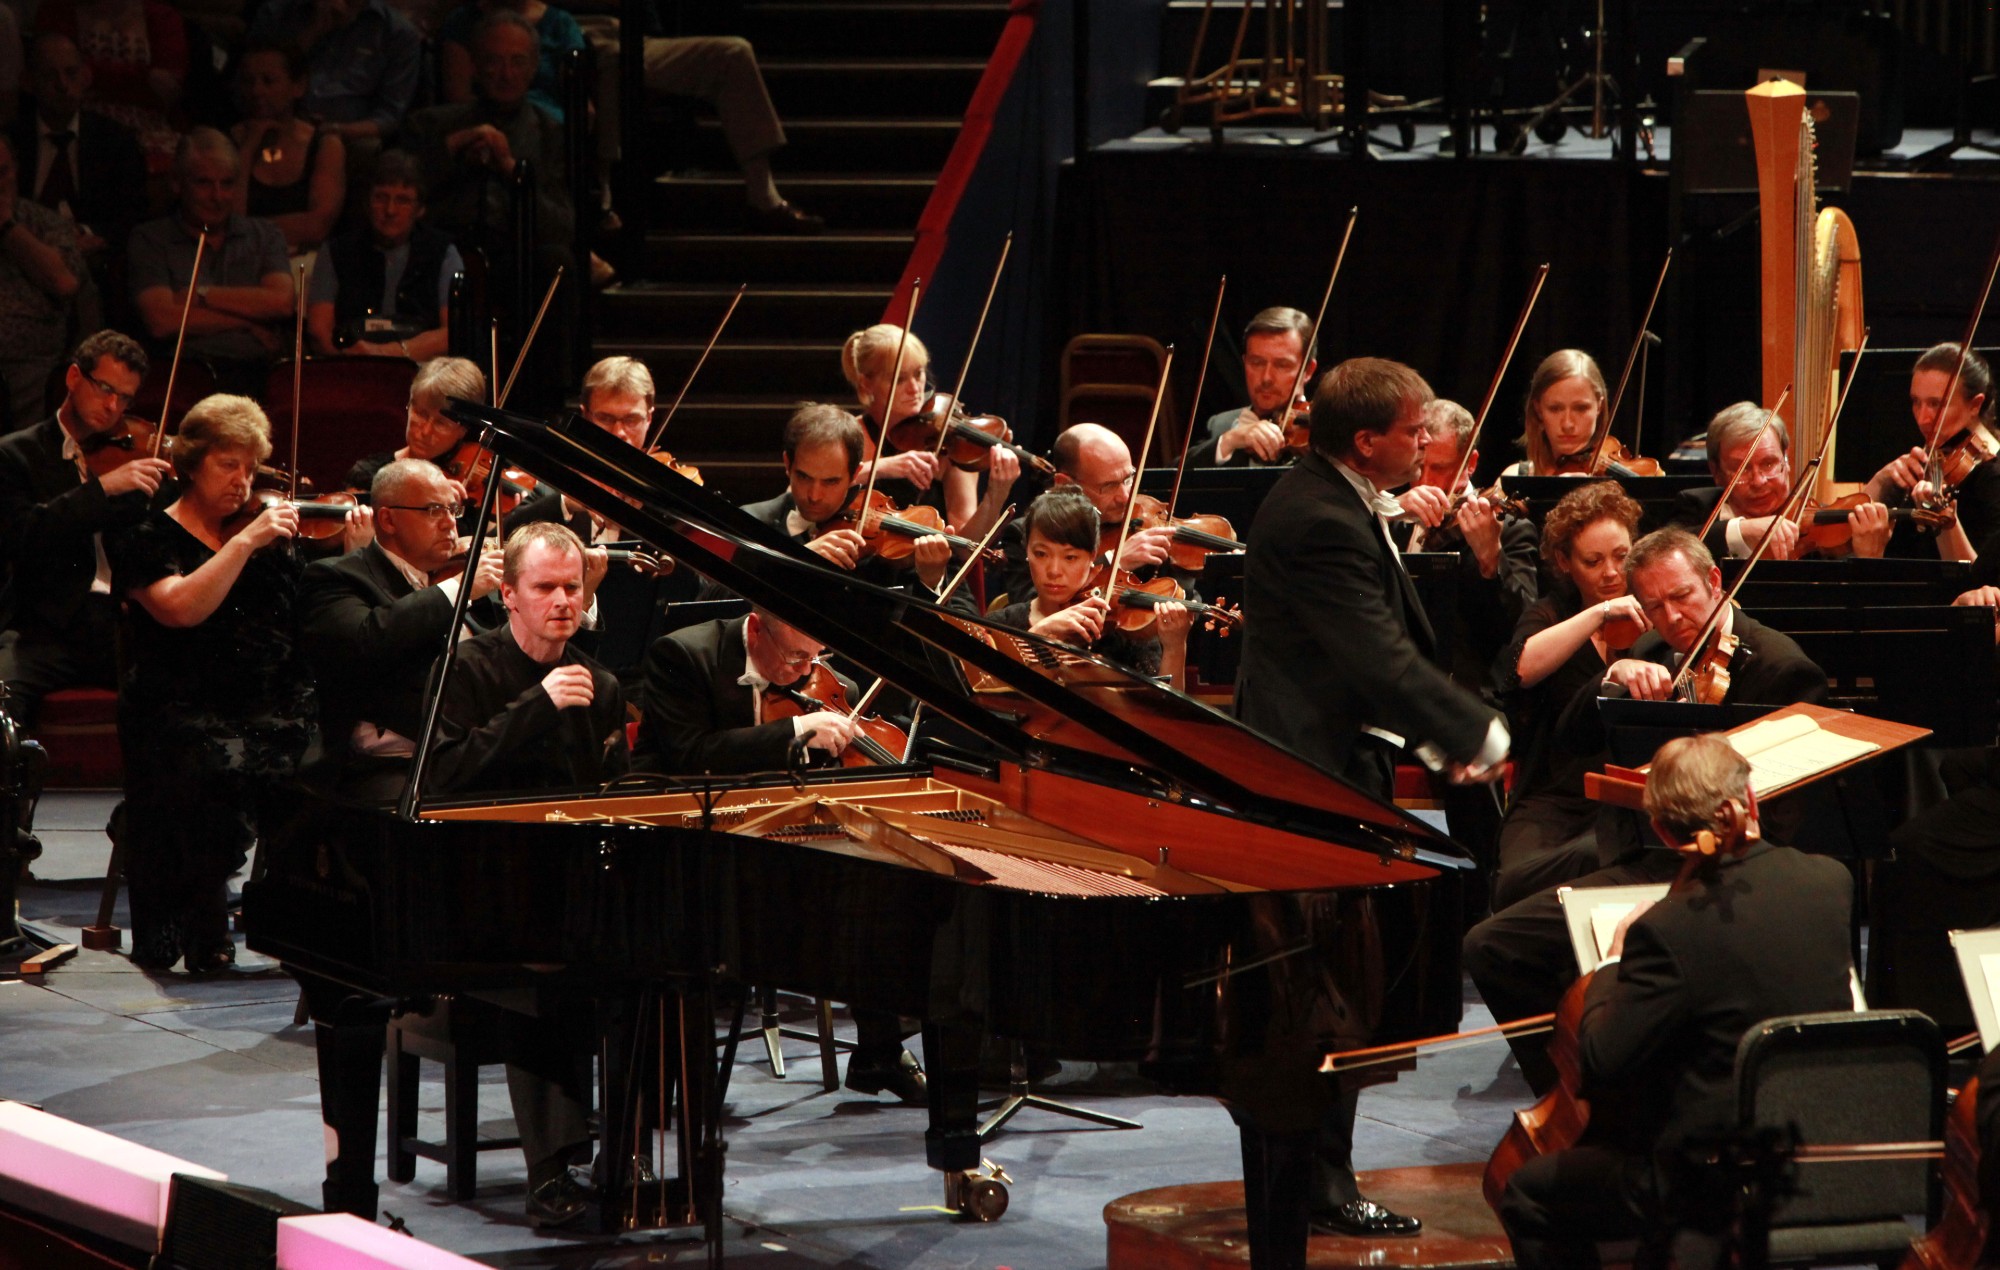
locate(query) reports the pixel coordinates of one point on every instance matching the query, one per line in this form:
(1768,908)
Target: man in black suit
(371,623)
(1337,656)
(1738,440)
(1520,958)
(1276,340)
(703,712)
(75,160)
(1740,939)
(62,625)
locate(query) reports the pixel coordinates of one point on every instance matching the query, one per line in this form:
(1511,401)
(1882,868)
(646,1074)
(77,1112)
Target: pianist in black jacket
(522,710)
(703,712)
(371,624)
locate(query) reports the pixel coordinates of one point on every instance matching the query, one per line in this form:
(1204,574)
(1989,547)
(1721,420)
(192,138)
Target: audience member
(295,174)
(40,273)
(77,162)
(554,28)
(384,290)
(245,283)
(137,51)
(10,64)
(363,62)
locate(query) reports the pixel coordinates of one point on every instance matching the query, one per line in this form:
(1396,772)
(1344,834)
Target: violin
(1957,457)
(1706,676)
(877,742)
(687,470)
(1195,537)
(968,441)
(132,438)
(1135,606)
(1612,459)
(891,532)
(1828,530)
(320,519)
(471,465)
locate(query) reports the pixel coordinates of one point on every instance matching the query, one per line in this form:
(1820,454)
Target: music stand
(1020,1098)
(1978,953)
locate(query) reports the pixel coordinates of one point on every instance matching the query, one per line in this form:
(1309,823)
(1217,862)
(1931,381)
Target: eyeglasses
(109,391)
(611,422)
(451,510)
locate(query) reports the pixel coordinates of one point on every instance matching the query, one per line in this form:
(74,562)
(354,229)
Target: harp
(1811,284)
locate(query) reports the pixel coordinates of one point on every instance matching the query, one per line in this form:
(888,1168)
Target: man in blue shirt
(384,290)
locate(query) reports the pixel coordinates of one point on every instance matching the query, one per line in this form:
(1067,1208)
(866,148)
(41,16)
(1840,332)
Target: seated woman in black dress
(1062,552)
(216,708)
(294,175)
(1560,647)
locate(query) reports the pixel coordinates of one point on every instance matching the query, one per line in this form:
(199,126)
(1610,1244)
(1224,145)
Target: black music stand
(1020,1098)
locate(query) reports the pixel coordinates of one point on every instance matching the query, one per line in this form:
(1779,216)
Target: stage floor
(213,1071)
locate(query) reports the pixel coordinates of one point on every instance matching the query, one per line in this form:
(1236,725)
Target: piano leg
(1277,1177)
(350,1035)
(951,1068)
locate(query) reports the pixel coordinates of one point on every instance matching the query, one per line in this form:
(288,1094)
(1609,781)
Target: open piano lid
(1041,703)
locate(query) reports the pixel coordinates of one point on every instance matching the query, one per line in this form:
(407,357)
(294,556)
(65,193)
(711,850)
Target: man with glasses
(371,622)
(1738,433)
(1097,461)
(62,622)
(1274,343)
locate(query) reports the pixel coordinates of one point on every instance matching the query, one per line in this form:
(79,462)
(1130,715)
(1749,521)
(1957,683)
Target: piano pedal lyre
(977,1194)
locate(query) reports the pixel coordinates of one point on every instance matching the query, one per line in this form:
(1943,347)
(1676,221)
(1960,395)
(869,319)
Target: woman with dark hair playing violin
(1967,476)
(914,476)
(217,707)
(1062,559)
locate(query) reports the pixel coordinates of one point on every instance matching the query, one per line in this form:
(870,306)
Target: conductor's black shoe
(557,1202)
(901,1076)
(1364,1217)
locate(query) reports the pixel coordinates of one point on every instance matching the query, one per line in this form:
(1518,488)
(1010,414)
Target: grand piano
(1082,860)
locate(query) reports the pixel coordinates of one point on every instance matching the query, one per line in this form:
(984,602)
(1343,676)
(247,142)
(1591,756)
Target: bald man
(1097,461)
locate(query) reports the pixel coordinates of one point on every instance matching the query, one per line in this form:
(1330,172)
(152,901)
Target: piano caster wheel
(978,1194)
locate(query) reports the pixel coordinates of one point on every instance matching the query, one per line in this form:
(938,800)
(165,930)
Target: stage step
(875,28)
(846,144)
(773,369)
(677,310)
(714,202)
(1201,1226)
(855,259)
(806,87)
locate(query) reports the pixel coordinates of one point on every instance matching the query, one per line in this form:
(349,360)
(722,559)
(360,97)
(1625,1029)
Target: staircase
(871,93)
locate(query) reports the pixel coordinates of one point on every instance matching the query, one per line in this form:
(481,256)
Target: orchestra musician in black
(1559,650)
(1741,939)
(1739,441)
(1337,665)
(372,621)
(1275,342)
(1096,460)
(62,622)
(1966,421)
(1520,958)
(703,711)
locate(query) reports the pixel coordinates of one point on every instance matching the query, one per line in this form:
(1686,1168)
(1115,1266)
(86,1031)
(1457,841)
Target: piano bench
(775,1033)
(79,729)
(463,1035)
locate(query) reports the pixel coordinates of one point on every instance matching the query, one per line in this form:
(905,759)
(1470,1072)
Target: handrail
(934,225)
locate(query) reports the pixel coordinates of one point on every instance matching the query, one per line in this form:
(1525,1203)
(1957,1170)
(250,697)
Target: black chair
(1847,1079)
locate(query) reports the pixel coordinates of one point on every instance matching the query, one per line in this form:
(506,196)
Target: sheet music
(1604,919)
(1989,964)
(1793,748)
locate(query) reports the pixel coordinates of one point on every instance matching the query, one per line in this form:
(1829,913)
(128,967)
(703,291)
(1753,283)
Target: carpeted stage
(215,1072)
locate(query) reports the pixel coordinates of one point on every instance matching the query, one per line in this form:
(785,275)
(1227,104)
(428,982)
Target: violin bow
(1499,373)
(889,406)
(493,360)
(1326,297)
(1200,382)
(180,342)
(298,367)
(1736,476)
(1603,432)
(1964,351)
(534,328)
(979,328)
(1794,502)
(868,698)
(660,428)
(1138,471)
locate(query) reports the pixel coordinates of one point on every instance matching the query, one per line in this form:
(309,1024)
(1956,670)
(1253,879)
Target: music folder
(1979,966)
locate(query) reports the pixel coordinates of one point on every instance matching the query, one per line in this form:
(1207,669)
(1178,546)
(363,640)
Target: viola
(1621,633)
(891,532)
(688,470)
(969,441)
(1135,608)
(130,438)
(1614,460)
(1964,452)
(1708,676)
(320,519)
(1829,530)
(1195,537)
(877,742)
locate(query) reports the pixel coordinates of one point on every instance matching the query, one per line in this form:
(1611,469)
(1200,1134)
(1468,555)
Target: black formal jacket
(1764,935)
(1334,637)
(1691,508)
(500,733)
(695,717)
(1487,608)
(111,173)
(370,639)
(48,517)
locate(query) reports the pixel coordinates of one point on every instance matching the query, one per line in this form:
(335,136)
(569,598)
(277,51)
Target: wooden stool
(464,1036)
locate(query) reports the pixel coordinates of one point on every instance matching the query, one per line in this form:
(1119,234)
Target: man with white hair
(245,289)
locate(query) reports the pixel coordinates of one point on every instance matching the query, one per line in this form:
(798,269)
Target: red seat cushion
(79,729)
